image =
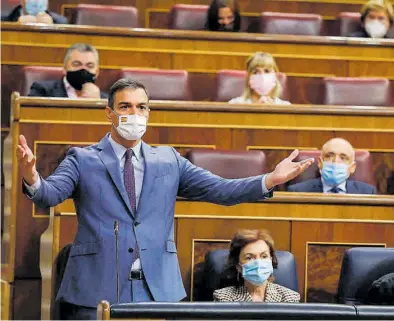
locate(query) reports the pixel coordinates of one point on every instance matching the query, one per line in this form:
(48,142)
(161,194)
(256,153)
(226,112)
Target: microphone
(116,231)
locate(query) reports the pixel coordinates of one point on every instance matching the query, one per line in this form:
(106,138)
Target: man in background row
(81,68)
(34,11)
(336,164)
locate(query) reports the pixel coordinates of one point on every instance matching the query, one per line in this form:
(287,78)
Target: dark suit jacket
(316,186)
(53,88)
(16,13)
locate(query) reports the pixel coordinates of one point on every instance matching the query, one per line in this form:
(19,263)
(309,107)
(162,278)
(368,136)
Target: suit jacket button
(136,223)
(131,250)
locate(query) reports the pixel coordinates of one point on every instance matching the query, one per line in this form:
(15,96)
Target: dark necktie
(335,190)
(129,182)
(129,179)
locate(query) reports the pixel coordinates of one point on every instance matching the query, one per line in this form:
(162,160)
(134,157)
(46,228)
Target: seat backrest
(161,84)
(215,263)
(361,266)
(349,22)
(8,5)
(354,91)
(32,74)
(229,164)
(231,84)
(291,23)
(188,17)
(363,172)
(106,16)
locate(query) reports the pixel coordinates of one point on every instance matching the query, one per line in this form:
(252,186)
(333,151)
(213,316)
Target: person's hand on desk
(27,19)
(90,90)
(286,170)
(266,100)
(27,161)
(43,17)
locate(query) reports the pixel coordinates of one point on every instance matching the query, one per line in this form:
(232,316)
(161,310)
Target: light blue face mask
(257,271)
(334,173)
(34,7)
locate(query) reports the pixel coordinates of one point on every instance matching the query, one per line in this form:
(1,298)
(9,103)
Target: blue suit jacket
(91,176)
(316,186)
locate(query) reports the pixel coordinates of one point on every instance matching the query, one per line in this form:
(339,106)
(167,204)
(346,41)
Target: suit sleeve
(58,19)
(199,184)
(61,184)
(37,90)
(373,190)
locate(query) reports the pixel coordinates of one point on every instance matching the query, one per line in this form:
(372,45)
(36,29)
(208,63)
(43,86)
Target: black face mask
(80,77)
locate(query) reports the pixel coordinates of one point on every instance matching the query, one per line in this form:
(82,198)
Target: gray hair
(81,47)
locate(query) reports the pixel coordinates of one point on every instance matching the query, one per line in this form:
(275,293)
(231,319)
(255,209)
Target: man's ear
(108,112)
(320,163)
(352,168)
(98,71)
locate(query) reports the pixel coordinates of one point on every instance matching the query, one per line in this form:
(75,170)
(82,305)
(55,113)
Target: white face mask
(131,127)
(375,28)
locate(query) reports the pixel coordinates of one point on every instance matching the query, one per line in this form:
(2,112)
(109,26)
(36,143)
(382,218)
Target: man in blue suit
(336,164)
(125,185)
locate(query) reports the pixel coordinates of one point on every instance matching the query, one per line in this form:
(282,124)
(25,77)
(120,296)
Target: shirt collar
(121,150)
(327,188)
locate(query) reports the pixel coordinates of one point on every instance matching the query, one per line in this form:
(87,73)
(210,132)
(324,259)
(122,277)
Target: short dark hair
(212,23)
(231,276)
(121,84)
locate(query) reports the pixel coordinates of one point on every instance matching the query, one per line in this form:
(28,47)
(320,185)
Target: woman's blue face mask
(257,271)
(34,7)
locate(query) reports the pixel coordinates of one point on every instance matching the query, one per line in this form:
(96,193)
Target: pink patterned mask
(263,83)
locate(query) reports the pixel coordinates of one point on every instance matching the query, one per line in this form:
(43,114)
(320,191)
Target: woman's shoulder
(231,293)
(240,100)
(279,101)
(284,294)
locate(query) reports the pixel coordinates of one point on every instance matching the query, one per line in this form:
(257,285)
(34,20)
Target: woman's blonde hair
(261,60)
(379,5)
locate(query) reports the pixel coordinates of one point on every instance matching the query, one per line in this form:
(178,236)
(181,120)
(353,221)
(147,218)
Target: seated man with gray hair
(81,68)
(336,164)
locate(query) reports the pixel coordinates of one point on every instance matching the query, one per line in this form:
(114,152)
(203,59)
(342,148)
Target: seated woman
(262,85)
(249,271)
(377,18)
(223,15)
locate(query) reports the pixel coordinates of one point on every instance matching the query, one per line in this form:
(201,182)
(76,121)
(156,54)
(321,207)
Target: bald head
(338,150)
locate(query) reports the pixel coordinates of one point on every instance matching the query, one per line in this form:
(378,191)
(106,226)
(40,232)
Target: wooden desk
(53,125)
(198,50)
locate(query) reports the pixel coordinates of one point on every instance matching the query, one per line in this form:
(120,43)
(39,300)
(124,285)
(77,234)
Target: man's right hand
(27,161)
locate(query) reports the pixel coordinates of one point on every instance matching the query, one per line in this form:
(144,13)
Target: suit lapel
(60,90)
(111,162)
(351,188)
(150,173)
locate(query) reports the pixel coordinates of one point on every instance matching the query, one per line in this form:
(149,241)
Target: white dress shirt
(327,188)
(71,92)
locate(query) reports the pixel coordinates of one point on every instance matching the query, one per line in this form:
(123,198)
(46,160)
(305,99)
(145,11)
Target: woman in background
(223,15)
(249,271)
(377,18)
(262,85)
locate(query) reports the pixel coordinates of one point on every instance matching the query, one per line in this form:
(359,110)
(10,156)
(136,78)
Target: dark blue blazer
(14,15)
(316,186)
(53,88)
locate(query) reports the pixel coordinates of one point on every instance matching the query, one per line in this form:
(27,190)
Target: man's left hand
(43,17)
(286,170)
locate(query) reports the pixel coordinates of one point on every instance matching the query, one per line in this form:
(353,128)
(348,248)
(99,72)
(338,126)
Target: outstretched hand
(286,170)
(27,161)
